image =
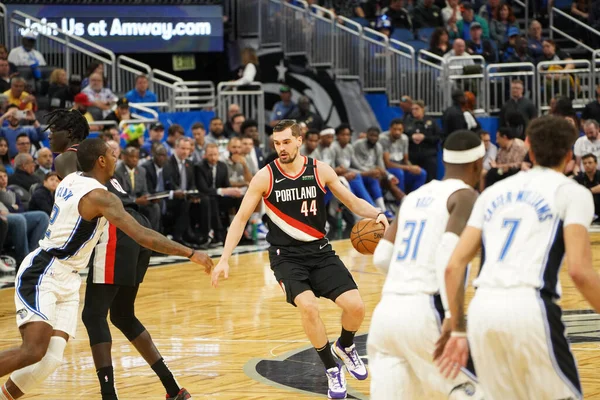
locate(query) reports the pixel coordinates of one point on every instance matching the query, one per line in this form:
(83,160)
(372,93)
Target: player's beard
(291,158)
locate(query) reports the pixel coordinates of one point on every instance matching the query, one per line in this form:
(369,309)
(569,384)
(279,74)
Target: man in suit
(155,174)
(212,180)
(24,169)
(133,180)
(250,129)
(44,163)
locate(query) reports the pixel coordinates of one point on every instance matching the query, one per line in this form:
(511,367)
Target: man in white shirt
(100,96)
(588,144)
(458,50)
(26,56)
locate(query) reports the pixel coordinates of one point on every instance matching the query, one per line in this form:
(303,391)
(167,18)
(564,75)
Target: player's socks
(166,377)
(107,383)
(346,338)
(4,394)
(326,356)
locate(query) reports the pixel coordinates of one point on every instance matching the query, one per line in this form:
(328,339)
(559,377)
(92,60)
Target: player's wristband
(458,334)
(191,255)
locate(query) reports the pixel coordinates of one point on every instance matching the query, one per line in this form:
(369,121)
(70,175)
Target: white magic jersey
(69,237)
(422,222)
(522,219)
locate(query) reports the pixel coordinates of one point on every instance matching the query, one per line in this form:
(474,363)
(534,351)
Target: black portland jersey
(295,205)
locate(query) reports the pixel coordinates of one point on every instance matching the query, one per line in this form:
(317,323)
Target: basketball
(365,235)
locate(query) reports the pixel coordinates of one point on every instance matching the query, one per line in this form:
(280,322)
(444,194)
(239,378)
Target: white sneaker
(336,382)
(351,360)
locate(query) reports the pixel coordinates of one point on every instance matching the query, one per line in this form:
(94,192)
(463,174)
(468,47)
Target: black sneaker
(182,395)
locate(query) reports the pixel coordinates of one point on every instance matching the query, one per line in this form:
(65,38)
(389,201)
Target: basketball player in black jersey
(293,188)
(113,284)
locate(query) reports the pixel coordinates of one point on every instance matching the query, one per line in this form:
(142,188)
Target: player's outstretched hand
(382,219)
(222,267)
(202,259)
(456,353)
(441,343)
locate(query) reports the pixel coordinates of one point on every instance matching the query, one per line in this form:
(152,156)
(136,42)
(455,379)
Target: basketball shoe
(182,395)
(336,382)
(351,360)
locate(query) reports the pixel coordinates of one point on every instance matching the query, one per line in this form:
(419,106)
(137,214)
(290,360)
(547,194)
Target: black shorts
(122,262)
(313,266)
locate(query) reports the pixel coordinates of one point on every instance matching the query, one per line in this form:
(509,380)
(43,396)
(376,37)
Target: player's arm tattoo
(112,209)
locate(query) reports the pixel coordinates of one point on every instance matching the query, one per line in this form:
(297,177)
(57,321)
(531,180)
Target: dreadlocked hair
(71,121)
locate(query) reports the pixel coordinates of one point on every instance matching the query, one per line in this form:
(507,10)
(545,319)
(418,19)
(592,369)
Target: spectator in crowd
(463,28)
(424,137)
(239,173)
(121,113)
(24,175)
(212,179)
(406,103)
(310,147)
(587,144)
(23,145)
(398,15)
(26,228)
(302,113)
(488,10)
(374,8)
(216,132)
(59,81)
(199,134)
(453,118)
(44,161)
(521,54)
(250,129)
(395,158)
(4,267)
(594,20)
(326,137)
(232,110)
(141,94)
(518,103)
(427,15)
(491,151)
(4,56)
(93,68)
(81,103)
(110,133)
(14,128)
(236,124)
(469,112)
(368,159)
(534,40)
(132,179)
(285,108)
(4,75)
(248,152)
(27,56)
(511,154)
(384,26)
(4,158)
(156,133)
(590,178)
(250,71)
(42,198)
(439,45)
(550,53)
(592,109)
(116,148)
(459,48)
(101,97)
(501,24)
(580,10)
(18,96)
(451,14)
(174,133)
(157,175)
(345,8)
(63,97)
(480,46)
(508,49)
(181,172)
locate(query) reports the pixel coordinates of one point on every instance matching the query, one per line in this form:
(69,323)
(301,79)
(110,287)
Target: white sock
(380,203)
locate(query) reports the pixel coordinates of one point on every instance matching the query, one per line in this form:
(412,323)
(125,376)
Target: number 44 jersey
(295,205)
(421,223)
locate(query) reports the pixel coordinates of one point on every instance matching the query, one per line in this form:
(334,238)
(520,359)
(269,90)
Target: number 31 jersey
(295,205)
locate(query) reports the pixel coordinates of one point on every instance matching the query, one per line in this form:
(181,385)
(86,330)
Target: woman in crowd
(4,158)
(504,19)
(439,44)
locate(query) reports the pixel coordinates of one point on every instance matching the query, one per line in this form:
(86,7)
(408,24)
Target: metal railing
(270,23)
(553,12)
(128,70)
(575,83)
(247,17)
(191,95)
(145,108)
(164,86)
(403,73)
(458,78)
(250,98)
(375,61)
(525,6)
(348,51)
(61,48)
(296,31)
(430,82)
(321,43)
(499,78)
(4,23)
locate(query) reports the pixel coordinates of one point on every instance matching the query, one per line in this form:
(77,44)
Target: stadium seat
(418,45)
(424,34)
(361,21)
(23,194)
(402,35)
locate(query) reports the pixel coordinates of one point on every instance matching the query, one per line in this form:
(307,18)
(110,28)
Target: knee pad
(97,328)
(129,325)
(28,378)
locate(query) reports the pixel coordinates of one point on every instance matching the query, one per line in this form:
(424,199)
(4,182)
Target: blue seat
(424,34)
(418,45)
(402,35)
(361,21)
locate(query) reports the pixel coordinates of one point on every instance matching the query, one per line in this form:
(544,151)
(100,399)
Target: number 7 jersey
(295,205)
(522,220)
(421,223)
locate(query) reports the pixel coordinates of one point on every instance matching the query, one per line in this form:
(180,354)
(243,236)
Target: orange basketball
(365,235)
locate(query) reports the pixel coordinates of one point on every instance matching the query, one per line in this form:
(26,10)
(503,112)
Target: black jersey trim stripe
(81,234)
(270,182)
(317,176)
(554,259)
(290,176)
(27,284)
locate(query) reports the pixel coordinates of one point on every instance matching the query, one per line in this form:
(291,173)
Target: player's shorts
(400,345)
(117,258)
(519,346)
(47,291)
(313,266)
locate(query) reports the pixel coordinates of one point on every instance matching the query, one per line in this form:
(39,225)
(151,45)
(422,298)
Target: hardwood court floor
(213,339)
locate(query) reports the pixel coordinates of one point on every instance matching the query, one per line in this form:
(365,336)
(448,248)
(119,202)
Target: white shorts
(47,291)
(401,342)
(518,344)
